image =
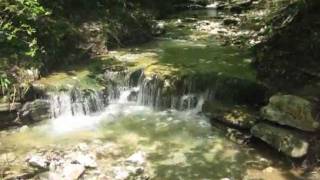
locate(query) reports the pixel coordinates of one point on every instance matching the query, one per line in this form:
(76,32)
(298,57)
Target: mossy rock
(286,141)
(237,116)
(237,136)
(292,111)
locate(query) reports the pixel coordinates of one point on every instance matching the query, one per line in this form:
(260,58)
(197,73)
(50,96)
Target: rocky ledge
(285,124)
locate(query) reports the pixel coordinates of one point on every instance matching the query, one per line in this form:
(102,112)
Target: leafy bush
(18,29)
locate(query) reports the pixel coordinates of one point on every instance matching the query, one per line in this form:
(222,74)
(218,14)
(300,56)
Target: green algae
(168,57)
(182,52)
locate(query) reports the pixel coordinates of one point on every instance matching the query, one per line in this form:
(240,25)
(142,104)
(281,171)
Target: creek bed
(175,144)
(178,145)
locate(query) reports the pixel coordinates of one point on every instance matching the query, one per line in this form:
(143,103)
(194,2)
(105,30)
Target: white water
(77,110)
(68,115)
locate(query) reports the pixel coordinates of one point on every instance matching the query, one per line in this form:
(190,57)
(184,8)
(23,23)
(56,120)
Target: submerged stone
(292,111)
(285,141)
(237,116)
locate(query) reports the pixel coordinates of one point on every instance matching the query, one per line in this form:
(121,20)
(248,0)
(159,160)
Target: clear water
(179,144)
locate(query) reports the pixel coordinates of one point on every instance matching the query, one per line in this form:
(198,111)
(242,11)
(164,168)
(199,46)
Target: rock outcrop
(291,111)
(34,111)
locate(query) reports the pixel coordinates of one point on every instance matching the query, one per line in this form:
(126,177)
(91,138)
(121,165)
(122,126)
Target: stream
(130,138)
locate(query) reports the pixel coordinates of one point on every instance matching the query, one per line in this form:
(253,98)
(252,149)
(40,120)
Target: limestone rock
(87,160)
(72,171)
(35,111)
(38,162)
(291,111)
(137,158)
(284,140)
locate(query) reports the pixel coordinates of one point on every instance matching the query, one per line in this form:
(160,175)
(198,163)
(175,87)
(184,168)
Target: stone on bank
(284,140)
(291,111)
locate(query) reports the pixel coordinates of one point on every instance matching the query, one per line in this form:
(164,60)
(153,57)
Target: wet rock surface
(35,111)
(287,141)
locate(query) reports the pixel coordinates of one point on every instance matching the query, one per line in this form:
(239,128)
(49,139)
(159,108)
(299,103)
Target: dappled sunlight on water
(179,145)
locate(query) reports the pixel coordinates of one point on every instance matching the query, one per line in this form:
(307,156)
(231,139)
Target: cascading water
(76,102)
(125,95)
(76,109)
(162,94)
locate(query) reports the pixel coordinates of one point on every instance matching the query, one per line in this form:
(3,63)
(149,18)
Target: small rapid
(84,109)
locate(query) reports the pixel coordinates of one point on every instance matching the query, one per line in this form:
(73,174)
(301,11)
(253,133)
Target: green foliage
(46,33)
(4,83)
(49,34)
(18,28)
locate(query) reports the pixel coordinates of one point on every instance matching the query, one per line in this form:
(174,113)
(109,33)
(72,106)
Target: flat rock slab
(73,171)
(286,141)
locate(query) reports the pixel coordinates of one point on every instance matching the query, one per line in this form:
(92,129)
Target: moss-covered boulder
(236,116)
(291,111)
(284,140)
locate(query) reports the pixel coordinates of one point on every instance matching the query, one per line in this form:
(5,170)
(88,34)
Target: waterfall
(76,102)
(123,88)
(162,94)
(125,94)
